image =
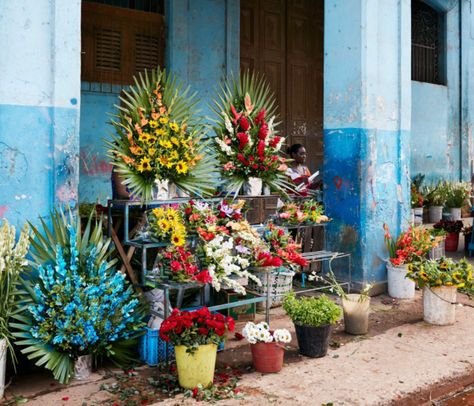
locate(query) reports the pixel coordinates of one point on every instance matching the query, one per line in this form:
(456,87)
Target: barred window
(427,43)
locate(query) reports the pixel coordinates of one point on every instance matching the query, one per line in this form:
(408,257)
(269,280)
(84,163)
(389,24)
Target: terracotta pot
(451,242)
(267,357)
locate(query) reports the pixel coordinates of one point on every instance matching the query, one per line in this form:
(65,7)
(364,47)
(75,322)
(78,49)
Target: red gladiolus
(242,159)
(244,124)
(261,148)
(235,114)
(243,139)
(262,132)
(260,117)
(274,142)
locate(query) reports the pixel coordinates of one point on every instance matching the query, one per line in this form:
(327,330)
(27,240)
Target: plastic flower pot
(455,213)
(418,212)
(452,242)
(3,365)
(83,367)
(399,287)
(437,252)
(438,305)
(313,341)
(356,314)
(197,368)
(267,357)
(435,213)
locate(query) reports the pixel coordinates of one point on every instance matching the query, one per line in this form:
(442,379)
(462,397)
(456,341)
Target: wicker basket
(281,282)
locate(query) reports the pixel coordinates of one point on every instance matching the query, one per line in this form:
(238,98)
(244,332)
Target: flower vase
(163,190)
(253,187)
(3,365)
(399,286)
(83,367)
(197,368)
(267,358)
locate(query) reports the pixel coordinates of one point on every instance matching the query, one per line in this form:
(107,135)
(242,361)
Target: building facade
(377,90)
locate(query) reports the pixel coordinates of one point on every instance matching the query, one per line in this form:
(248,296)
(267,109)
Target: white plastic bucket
(356,314)
(418,216)
(436,213)
(455,213)
(399,287)
(412,216)
(83,367)
(3,365)
(438,251)
(438,307)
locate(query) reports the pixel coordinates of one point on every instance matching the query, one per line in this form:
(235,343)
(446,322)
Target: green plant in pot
(313,318)
(436,196)
(457,195)
(12,264)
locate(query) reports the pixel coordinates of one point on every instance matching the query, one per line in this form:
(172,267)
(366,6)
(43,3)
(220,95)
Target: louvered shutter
(117,43)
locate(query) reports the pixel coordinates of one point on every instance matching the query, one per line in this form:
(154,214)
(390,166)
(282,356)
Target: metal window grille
(427,43)
(151,6)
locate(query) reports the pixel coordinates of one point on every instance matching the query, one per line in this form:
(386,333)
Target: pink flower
(285,215)
(228,166)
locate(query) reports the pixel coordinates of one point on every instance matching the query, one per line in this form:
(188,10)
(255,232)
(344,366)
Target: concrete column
(39,106)
(367,107)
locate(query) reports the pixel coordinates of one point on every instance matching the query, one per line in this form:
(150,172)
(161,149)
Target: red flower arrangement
(283,246)
(410,245)
(195,328)
(181,266)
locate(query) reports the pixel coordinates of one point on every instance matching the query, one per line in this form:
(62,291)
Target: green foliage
(311,311)
(436,195)
(12,264)
(457,194)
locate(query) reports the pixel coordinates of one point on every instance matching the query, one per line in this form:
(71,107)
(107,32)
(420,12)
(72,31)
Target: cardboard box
(240,313)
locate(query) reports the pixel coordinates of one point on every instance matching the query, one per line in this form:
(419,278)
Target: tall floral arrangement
(12,264)
(75,305)
(247,140)
(158,138)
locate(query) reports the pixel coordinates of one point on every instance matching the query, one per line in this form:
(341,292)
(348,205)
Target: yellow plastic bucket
(197,368)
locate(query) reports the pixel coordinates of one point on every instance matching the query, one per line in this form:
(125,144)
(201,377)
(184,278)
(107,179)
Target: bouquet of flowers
(314,211)
(261,333)
(247,141)
(195,328)
(168,225)
(307,212)
(158,139)
(282,245)
(449,226)
(74,309)
(410,245)
(441,272)
(180,265)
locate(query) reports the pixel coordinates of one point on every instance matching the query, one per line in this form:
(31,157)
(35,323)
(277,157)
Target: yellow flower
(457,276)
(153,123)
(449,283)
(164,120)
(187,156)
(438,282)
(161,132)
(175,141)
(174,155)
(460,285)
(144,165)
(136,151)
(174,126)
(423,275)
(158,212)
(181,167)
(185,142)
(164,161)
(152,139)
(469,276)
(166,144)
(152,151)
(164,224)
(143,137)
(177,239)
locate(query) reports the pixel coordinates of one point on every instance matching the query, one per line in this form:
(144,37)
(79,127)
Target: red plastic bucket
(267,357)
(452,241)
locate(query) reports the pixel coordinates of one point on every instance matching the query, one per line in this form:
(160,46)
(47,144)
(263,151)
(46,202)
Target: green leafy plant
(12,264)
(457,194)
(159,137)
(311,311)
(436,195)
(74,303)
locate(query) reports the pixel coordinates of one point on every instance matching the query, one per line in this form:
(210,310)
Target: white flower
(282,335)
(224,147)
(228,124)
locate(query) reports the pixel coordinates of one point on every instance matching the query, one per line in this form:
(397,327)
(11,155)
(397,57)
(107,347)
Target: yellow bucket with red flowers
(197,367)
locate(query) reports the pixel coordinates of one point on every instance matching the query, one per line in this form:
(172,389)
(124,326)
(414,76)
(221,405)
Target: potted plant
(313,318)
(436,196)
(410,245)
(195,336)
(75,306)
(457,195)
(417,199)
(452,229)
(12,264)
(266,346)
(439,280)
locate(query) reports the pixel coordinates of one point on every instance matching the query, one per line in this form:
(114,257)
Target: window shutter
(117,43)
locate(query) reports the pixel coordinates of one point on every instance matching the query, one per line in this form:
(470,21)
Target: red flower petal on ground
(65,398)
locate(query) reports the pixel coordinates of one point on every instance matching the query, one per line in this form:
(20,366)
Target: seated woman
(298,171)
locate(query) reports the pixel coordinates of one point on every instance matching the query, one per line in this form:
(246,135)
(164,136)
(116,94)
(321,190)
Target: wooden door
(283,39)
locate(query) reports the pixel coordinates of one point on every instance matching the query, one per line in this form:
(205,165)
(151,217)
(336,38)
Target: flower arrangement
(449,226)
(12,264)
(168,225)
(194,328)
(75,309)
(436,195)
(261,333)
(180,266)
(283,246)
(247,141)
(417,198)
(457,194)
(441,272)
(158,138)
(307,212)
(410,245)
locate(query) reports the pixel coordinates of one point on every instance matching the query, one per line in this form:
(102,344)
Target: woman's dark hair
(294,149)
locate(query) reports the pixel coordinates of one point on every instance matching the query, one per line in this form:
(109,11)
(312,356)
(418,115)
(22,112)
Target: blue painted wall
(39,107)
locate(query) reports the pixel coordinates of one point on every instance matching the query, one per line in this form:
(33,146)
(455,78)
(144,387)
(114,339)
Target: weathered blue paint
(94,185)
(39,114)
(366,128)
(203,43)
